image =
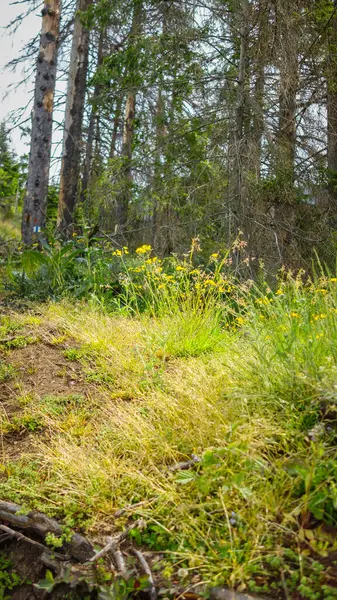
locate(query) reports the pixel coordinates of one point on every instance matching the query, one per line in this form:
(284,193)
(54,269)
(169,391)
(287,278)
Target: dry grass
(148,405)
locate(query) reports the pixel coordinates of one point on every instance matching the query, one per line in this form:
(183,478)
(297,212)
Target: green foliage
(9,579)
(7,371)
(192,362)
(12,173)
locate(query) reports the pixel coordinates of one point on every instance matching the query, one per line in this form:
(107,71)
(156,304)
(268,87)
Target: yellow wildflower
(319,317)
(117,253)
(151,261)
(180,268)
(209,282)
(215,256)
(143,249)
(279,292)
(295,315)
(333,279)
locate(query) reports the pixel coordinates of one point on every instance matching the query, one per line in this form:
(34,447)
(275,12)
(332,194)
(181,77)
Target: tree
(332,106)
(124,194)
(73,120)
(9,167)
(35,202)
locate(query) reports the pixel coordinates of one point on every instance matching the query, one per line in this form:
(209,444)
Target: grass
(10,229)
(243,378)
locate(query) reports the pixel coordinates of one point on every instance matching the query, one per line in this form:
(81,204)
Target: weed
(9,579)
(194,363)
(7,371)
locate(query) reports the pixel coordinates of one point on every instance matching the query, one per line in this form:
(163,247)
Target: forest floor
(98,412)
(195,411)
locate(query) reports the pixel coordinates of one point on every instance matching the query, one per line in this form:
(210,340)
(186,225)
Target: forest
(168,302)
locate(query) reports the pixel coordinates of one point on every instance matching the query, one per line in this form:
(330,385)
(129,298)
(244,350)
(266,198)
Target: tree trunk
(157,174)
(35,203)
(238,137)
(87,169)
(70,166)
(332,111)
(125,192)
(122,205)
(284,207)
(260,60)
(115,129)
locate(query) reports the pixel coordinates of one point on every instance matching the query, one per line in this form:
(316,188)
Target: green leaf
(46,584)
(184,477)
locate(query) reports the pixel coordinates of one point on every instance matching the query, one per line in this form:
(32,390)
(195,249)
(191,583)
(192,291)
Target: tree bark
(93,126)
(238,138)
(124,195)
(157,174)
(284,207)
(332,110)
(70,166)
(116,126)
(35,203)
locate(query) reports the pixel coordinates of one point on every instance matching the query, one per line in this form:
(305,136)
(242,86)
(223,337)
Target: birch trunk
(35,203)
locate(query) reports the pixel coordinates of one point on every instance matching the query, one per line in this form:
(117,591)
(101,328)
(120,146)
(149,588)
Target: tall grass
(187,361)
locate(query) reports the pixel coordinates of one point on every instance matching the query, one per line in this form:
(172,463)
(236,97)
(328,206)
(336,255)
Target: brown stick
(117,540)
(147,571)
(119,560)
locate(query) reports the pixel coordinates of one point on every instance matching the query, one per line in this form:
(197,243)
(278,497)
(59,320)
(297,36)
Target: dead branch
(117,540)
(22,538)
(119,561)
(147,571)
(78,547)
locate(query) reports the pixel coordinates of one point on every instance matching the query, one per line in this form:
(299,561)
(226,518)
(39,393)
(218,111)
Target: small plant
(7,371)
(9,579)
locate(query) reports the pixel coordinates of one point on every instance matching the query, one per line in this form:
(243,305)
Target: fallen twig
(119,560)
(147,571)
(117,540)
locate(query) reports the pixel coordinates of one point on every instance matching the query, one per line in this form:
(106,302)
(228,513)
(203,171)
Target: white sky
(10,46)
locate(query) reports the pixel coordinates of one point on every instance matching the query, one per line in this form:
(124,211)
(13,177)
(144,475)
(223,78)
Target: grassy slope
(254,400)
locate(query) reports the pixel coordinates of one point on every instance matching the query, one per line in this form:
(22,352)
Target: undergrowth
(187,361)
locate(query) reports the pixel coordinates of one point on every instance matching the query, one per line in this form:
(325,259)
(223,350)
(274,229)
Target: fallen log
(77,547)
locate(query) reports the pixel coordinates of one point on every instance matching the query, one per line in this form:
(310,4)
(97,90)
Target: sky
(10,46)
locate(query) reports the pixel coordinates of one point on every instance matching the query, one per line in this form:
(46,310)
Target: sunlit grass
(235,374)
